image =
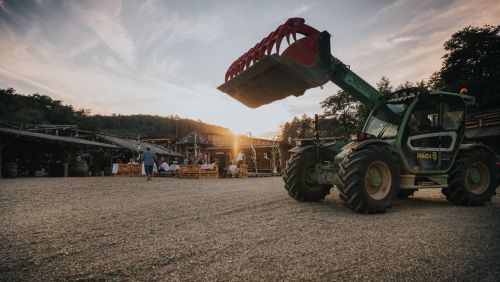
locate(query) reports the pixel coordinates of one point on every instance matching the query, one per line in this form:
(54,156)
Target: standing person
(221,164)
(149,159)
(240,158)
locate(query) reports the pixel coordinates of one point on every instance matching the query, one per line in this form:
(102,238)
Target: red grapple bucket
(303,65)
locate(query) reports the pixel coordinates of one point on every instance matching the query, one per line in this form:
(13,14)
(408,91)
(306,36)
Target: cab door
(433,131)
(452,125)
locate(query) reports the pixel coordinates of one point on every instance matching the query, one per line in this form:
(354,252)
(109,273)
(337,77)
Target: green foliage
(384,85)
(406,84)
(298,128)
(41,109)
(36,109)
(472,60)
(340,113)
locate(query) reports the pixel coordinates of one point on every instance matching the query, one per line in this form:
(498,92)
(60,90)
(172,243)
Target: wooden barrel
(78,168)
(10,170)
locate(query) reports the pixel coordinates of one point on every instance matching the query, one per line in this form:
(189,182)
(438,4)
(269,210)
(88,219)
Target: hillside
(22,110)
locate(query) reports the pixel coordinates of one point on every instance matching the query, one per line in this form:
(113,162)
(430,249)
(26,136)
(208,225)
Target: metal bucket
(303,65)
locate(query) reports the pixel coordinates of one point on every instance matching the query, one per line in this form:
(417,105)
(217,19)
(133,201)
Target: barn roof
(53,138)
(193,137)
(133,145)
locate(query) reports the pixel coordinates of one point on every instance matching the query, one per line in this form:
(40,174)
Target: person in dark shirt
(149,159)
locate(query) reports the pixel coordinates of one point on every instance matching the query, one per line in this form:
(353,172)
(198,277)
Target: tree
(298,128)
(342,109)
(472,60)
(406,84)
(435,82)
(385,87)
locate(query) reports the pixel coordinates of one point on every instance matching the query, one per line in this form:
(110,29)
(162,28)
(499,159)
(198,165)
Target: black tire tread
(349,178)
(456,192)
(294,184)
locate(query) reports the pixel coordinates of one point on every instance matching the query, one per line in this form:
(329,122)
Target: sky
(168,57)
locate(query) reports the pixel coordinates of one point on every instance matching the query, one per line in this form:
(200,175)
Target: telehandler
(413,138)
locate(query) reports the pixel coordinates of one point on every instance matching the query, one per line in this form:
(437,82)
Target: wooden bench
(129,170)
(241,172)
(208,171)
(189,171)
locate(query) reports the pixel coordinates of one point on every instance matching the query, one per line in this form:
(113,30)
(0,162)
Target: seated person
(174,167)
(233,169)
(164,167)
(419,123)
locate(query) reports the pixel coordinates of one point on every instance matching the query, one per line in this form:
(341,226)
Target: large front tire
(297,176)
(368,179)
(473,178)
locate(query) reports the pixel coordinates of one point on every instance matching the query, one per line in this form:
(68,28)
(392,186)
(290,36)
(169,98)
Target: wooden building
(27,153)
(484,127)
(263,156)
(193,147)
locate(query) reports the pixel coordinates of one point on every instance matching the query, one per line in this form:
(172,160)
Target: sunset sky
(168,57)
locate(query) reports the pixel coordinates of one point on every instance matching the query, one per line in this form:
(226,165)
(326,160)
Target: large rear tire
(473,178)
(368,179)
(297,177)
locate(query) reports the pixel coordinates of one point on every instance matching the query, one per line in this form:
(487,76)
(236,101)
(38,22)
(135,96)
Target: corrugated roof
(192,137)
(483,118)
(482,132)
(132,145)
(57,138)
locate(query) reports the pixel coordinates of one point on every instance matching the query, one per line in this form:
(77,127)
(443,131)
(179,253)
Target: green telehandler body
(413,138)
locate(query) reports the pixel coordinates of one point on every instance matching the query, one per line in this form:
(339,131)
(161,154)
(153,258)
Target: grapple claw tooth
(265,47)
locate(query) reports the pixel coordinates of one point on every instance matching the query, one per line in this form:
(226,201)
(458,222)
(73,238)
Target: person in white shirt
(240,158)
(164,167)
(232,169)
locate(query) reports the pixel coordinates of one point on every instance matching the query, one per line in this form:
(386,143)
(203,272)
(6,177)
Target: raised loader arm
(260,76)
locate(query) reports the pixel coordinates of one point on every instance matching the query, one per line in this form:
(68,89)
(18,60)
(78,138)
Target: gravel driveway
(123,228)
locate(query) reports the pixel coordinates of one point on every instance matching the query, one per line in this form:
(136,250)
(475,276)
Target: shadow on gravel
(332,206)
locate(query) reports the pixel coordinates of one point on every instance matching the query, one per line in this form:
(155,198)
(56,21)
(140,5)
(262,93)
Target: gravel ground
(121,228)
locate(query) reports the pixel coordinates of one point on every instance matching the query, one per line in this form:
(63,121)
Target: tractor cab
(425,127)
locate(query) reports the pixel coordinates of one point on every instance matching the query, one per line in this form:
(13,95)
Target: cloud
(300,10)
(4,7)
(387,43)
(172,28)
(167,57)
(413,49)
(105,21)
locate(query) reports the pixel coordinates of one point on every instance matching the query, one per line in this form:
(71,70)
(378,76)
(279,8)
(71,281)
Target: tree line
(472,60)
(23,110)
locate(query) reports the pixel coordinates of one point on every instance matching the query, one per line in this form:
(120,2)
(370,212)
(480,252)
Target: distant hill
(41,109)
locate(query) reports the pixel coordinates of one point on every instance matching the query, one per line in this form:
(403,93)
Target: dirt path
(117,228)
